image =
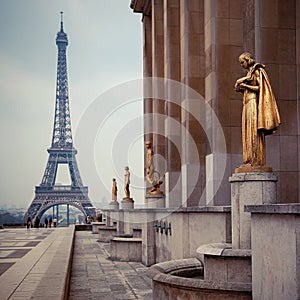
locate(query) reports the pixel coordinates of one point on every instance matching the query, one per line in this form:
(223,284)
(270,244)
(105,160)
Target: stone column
(223,44)
(271,34)
(192,75)
(248,189)
(158,89)
(147,72)
(173,109)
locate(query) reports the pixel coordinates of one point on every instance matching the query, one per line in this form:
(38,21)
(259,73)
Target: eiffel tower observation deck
(62,151)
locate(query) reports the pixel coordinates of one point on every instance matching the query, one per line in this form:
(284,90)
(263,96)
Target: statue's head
(248,58)
(126,168)
(148,144)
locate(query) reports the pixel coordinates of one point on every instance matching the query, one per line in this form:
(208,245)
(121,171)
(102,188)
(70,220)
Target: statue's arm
(254,88)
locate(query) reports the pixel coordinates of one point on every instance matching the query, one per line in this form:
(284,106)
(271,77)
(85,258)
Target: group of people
(47,223)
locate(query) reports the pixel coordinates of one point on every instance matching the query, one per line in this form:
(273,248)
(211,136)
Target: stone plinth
(275,242)
(224,264)
(126,249)
(96,226)
(114,205)
(246,189)
(106,233)
(155,201)
(127,203)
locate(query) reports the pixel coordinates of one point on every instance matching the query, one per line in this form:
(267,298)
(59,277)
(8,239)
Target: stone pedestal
(224,264)
(127,203)
(155,201)
(114,205)
(248,189)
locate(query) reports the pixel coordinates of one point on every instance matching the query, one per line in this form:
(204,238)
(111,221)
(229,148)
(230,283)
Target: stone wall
(275,240)
(197,43)
(174,234)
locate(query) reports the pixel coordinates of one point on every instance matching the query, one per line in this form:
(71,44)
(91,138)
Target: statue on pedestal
(126,184)
(114,190)
(260,116)
(150,173)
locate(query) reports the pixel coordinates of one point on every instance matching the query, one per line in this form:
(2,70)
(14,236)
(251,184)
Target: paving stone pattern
(95,276)
(15,243)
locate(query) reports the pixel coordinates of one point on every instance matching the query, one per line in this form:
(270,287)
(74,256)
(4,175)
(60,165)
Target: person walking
(46,222)
(37,222)
(29,224)
(54,222)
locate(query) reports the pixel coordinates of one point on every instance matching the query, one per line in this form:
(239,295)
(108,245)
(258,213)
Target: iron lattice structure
(47,194)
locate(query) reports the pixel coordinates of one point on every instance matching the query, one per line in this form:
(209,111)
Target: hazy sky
(105,50)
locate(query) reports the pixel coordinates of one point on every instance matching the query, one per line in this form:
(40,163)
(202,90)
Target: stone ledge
(200,284)
(204,209)
(174,265)
(44,272)
(83,227)
(127,239)
(293,208)
(253,176)
(222,249)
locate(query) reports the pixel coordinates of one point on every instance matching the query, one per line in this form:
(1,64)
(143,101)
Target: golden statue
(126,184)
(114,190)
(150,173)
(260,116)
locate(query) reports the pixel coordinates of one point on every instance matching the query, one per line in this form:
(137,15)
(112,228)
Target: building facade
(197,44)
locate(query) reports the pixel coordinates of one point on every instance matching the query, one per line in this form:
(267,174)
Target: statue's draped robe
(260,117)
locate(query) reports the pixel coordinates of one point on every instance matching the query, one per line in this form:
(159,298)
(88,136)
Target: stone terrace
(95,276)
(36,264)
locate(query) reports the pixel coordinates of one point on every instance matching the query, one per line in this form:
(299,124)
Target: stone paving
(95,276)
(15,243)
(35,263)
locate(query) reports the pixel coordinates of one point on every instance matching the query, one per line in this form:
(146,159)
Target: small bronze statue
(127,183)
(150,173)
(114,190)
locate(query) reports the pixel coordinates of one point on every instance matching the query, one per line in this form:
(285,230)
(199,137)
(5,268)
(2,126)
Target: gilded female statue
(114,190)
(260,116)
(126,183)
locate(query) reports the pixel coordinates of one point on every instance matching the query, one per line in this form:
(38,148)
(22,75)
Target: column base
(155,201)
(248,189)
(127,203)
(114,205)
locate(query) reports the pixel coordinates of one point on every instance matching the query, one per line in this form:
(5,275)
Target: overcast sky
(105,50)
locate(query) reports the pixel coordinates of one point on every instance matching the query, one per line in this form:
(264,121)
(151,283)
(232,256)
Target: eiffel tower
(62,151)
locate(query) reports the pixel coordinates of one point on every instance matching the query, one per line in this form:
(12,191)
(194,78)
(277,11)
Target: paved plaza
(34,264)
(15,243)
(95,276)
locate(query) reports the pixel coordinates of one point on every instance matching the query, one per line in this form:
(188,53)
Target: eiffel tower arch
(62,151)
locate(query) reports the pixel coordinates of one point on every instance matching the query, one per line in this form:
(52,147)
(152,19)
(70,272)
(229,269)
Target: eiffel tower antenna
(62,151)
(61,21)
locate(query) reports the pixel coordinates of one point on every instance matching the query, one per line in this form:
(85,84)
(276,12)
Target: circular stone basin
(183,279)
(196,273)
